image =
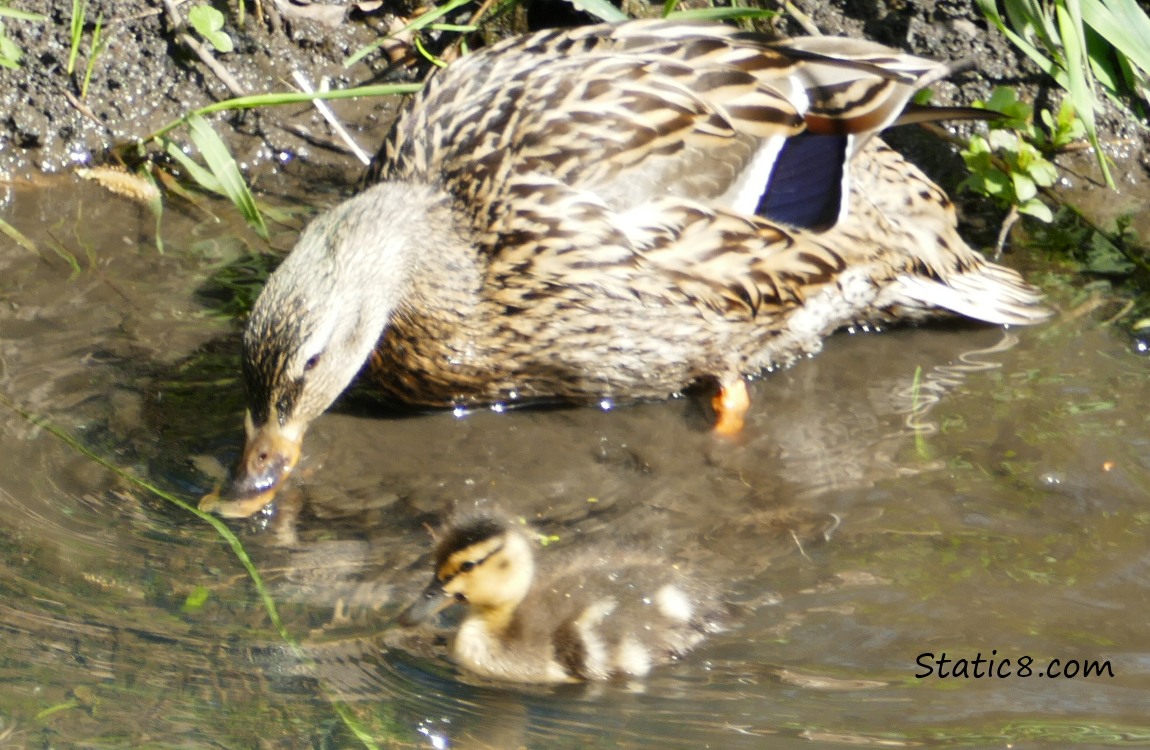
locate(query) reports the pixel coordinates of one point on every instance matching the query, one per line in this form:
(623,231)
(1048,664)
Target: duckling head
(318,319)
(482,562)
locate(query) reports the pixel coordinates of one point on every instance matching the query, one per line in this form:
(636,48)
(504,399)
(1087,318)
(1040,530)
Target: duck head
(482,562)
(314,325)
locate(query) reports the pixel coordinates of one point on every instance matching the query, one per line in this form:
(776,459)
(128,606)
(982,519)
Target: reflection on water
(1011,519)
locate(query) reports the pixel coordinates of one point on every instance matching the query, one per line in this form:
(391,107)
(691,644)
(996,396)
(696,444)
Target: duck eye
(467,567)
(312,361)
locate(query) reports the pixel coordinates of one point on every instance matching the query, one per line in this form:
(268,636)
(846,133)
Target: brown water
(1000,504)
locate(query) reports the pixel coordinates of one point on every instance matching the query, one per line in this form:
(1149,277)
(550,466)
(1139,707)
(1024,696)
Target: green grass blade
(720,14)
(18,237)
(21,15)
(203,177)
(419,23)
(98,46)
(1080,85)
(79,7)
(453,27)
(219,160)
(1111,69)
(222,531)
(288,97)
(68,257)
(669,7)
(156,205)
(427,55)
(989,9)
(1124,25)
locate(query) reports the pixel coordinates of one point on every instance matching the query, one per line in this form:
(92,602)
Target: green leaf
(203,177)
(978,145)
(1004,140)
(196,599)
(98,46)
(1024,187)
(226,171)
(209,23)
(997,184)
(1037,209)
(427,55)
(1019,114)
(1043,172)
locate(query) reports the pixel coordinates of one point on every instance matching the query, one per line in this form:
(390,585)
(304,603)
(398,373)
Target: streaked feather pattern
(572,214)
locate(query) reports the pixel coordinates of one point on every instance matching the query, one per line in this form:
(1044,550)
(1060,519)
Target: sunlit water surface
(957,490)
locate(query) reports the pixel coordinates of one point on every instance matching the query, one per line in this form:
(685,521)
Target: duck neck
(397,234)
(404,251)
(444,276)
(512,584)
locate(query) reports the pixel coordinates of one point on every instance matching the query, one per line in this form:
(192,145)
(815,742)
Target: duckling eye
(312,361)
(467,567)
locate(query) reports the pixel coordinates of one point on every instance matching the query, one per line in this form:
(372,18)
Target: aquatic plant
(1083,44)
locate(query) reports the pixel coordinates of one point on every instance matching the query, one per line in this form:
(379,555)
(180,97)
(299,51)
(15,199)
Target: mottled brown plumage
(587,614)
(591,213)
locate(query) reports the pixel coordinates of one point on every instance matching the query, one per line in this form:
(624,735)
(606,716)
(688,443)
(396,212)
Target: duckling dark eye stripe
(476,564)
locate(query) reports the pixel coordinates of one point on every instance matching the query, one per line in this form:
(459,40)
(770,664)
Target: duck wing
(677,163)
(643,110)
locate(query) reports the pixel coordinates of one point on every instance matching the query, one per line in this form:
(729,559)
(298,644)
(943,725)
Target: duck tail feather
(990,293)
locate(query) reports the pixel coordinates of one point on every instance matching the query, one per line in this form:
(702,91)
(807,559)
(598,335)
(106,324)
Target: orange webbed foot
(730,405)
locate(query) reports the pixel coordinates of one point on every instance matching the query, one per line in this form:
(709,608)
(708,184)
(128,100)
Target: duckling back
(614,616)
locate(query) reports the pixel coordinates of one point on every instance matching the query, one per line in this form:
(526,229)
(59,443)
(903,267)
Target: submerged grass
(346,715)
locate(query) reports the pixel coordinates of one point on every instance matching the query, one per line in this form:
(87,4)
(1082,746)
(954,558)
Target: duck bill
(271,452)
(431,602)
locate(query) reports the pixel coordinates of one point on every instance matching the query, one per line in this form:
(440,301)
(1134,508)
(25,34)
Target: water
(1012,518)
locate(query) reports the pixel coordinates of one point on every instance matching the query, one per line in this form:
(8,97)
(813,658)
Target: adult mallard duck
(614,212)
(587,615)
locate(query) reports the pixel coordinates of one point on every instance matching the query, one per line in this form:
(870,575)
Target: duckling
(620,212)
(590,615)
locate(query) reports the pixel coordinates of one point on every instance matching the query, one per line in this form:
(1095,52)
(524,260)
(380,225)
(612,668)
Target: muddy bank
(150,74)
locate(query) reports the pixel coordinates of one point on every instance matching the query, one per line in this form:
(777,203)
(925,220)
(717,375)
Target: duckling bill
(614,212)
(589,616)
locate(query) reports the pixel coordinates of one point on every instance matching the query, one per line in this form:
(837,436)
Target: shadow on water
(953,489)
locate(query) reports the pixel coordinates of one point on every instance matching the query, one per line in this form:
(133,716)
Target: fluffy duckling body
(614,212)
(587,616)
